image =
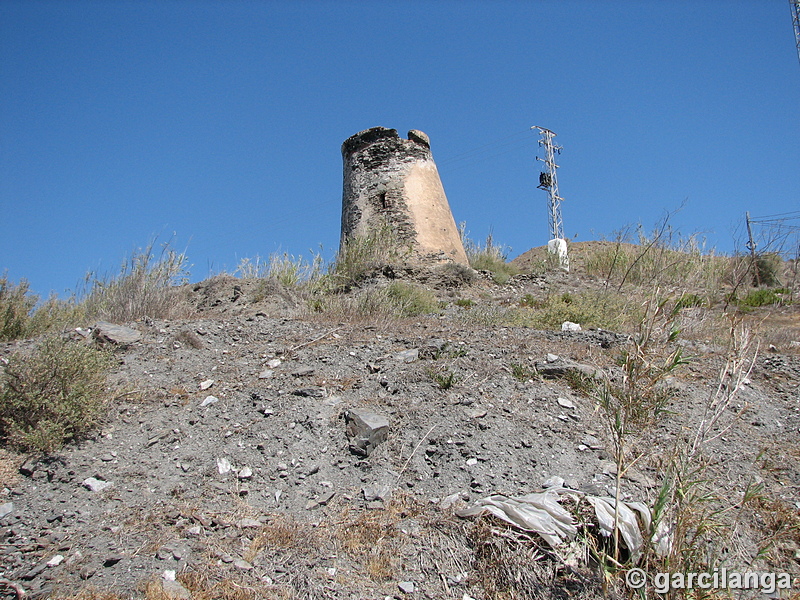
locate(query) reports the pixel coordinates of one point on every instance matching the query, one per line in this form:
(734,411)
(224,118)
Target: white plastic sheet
(541,513)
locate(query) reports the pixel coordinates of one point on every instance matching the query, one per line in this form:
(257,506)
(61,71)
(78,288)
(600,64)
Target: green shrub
(456,275)
(521,372)
(769,267)
(443,378)
(465,303)
(412,300)
(688,301)
(607,310)
(489,257)
(764,297)
(52,396)
(530,301)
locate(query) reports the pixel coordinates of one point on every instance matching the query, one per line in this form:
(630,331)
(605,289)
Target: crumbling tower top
(391,180)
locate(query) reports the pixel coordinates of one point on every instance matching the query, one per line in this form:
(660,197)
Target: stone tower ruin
(388,179)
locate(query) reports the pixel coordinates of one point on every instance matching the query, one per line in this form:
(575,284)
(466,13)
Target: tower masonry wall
(391,180)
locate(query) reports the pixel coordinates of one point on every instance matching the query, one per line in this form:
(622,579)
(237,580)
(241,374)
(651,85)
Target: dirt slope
(228,462)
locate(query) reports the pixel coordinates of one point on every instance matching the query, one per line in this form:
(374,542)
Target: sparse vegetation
(361,257)
(764,297)
(412,300)
(659,258)
(286,268)
(443,378)
(606,310)
(488,257)
(522,372)
(144,287)
(52,396)
(22,316)
(16,304)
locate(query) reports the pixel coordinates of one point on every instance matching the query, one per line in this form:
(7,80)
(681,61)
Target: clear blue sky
(223,121)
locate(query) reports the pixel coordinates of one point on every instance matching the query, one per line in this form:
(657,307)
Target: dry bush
(286,268)
(16,304)
(662,257)
(385,305)
(9,468)
(144,287)
(511,564)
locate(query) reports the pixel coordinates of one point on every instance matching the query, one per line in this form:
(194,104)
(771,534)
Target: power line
(795,5)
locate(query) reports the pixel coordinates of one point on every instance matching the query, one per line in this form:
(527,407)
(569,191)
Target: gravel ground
(224,458)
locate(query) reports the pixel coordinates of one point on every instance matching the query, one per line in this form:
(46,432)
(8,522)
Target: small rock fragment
(248,523)
(376,492)
(265,374)
(274,363)
(29,466)
(204,385)
(566,403)
(407,587)
(408,356)
(245,473)
(553,482)
(209,400)
(112,559)
(570,326)
(310,392)
(6,509)
(224,465)
(303,372)
(55,561)
(242,564)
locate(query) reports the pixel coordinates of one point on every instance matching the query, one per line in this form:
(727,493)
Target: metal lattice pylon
(549,182)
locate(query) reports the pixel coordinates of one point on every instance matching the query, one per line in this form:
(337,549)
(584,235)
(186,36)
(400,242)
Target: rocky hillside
(260,449)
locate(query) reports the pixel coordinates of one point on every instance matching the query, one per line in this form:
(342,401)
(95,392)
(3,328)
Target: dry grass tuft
(374,537)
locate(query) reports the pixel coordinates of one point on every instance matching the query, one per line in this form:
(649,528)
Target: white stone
(209,400)
(95,485)
(204,385)
(224,465)
(565,403)
(570,326)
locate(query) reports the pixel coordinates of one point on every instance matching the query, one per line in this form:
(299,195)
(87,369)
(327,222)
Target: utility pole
(549,183)
(751,246)
(795,4)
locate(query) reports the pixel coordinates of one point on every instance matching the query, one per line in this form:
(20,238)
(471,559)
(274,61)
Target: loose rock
(108,333)
(366,430)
